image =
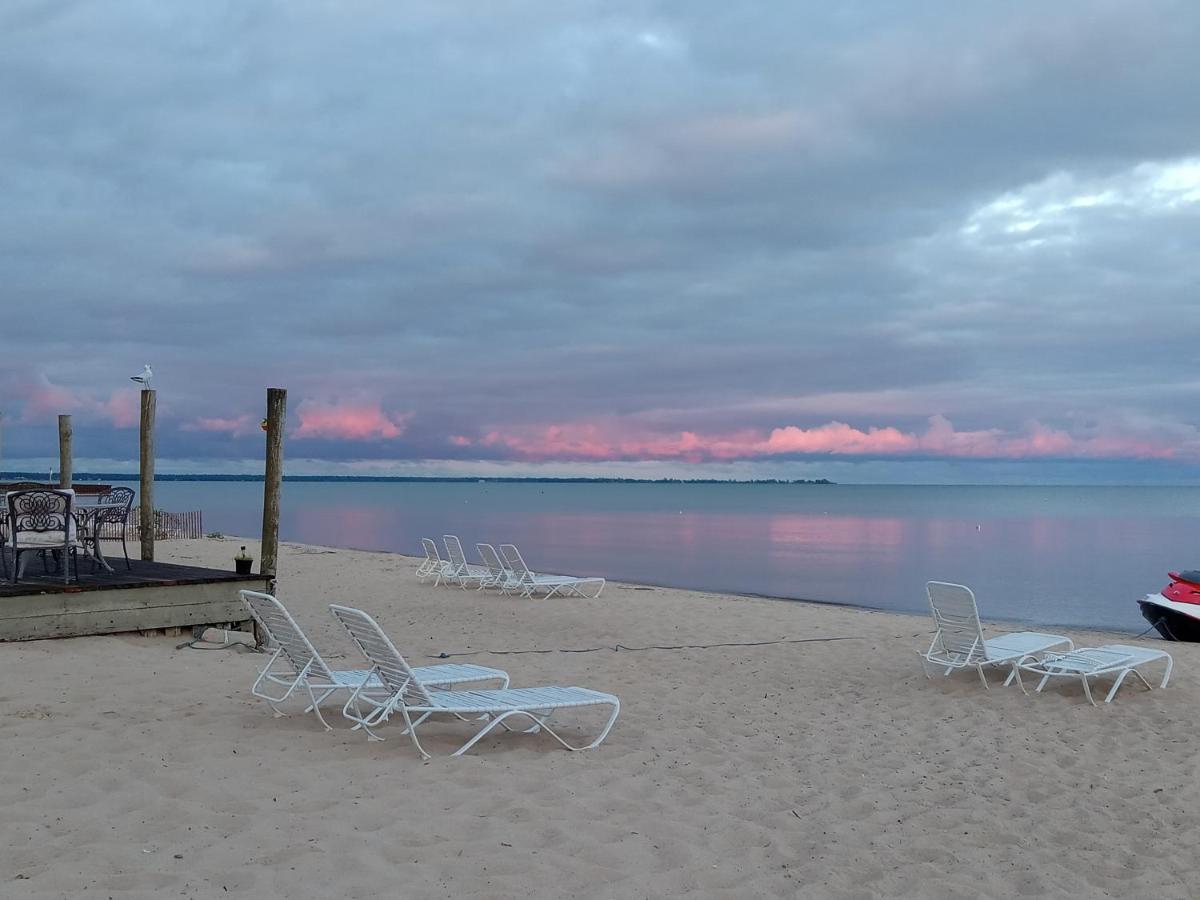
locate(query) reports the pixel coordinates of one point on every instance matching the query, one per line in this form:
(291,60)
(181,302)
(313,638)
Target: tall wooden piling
(66,459)
(146,441)
(273,482)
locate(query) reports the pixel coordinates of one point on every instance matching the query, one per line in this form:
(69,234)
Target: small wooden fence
(167,525)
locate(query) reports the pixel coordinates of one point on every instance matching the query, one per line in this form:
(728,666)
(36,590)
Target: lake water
(1047,555)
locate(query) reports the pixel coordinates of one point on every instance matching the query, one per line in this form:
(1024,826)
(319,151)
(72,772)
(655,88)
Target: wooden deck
(150,595)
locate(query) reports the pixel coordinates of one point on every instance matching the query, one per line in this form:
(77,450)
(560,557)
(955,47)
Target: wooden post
(147,470)
(66,463)
(273,482)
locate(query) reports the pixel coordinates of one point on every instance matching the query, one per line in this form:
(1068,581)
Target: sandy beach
(820,767)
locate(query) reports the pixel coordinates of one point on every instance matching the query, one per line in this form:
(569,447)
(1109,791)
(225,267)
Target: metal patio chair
(40,520)
(111,509)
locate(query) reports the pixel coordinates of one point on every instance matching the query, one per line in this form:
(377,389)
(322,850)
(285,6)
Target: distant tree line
(458,479)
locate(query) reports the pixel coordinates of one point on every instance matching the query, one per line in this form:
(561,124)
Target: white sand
(824,769)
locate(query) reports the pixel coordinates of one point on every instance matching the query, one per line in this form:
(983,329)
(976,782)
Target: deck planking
(148,595)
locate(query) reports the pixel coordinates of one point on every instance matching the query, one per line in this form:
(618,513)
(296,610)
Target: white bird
(145,379)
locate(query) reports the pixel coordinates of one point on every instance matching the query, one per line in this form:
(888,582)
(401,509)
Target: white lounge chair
(301,666)
(458,568)
(415,703)
(532,582)
(432,566)
(959,642)
(501,575)
(1091,662)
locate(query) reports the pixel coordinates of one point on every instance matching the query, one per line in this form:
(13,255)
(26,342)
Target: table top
(85,505)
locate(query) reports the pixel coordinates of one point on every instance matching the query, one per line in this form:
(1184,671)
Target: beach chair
(432,565)
(959,642)
(458,568)
(1091,662)
(415,703)
(532,582)
(501,575)
(301,666)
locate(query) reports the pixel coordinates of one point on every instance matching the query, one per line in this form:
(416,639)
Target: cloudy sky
(869,241)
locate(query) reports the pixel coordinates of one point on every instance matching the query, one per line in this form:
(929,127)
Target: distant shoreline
(455,479)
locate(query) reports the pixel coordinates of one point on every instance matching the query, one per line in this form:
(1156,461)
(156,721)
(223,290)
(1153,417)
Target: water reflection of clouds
(1021,566)
(837,533)
(363,527)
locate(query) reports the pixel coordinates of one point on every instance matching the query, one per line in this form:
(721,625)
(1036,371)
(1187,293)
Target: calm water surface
(1049,555)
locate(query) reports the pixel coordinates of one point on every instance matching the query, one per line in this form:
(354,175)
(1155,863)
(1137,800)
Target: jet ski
(1175,612)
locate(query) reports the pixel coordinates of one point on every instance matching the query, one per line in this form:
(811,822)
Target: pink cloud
(590,441)
(45,401)
(835,437)
(124,409)
(348,422)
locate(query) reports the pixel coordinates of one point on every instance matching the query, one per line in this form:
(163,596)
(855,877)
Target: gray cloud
(662,217)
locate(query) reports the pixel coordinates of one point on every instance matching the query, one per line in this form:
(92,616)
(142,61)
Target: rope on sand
(616,648)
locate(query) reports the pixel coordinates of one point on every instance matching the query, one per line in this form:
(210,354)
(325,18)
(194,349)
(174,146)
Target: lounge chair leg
(1016,672)
(1120,678)
(481,733)
(318,700)
(411,728)
(924,666)
(1087,690)
(983,678)
(1142,679)
(599,738)
(316,705)
(539,722)
(371,735)
(421,718)
(358,718)
(317,709)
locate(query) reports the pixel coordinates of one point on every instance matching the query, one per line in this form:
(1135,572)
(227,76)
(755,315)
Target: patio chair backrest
(515,561)
(113,507)
(379,650)
(118,496)
(492,562)
(431,550)
(283,632)
(44,511)
(957,617)
(454,551)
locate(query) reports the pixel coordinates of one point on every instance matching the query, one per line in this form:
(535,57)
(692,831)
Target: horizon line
(219,476)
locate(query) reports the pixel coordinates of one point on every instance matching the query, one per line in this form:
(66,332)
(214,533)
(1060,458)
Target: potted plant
(243,562)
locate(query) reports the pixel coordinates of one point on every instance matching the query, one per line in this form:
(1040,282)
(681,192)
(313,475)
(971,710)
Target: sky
(894,242)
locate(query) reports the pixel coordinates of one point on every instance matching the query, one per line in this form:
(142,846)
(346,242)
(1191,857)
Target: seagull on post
(145,379)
